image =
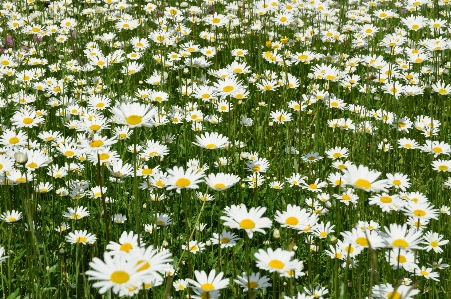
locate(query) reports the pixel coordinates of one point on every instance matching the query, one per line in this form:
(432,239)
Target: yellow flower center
(362,241)
(363,184)
(126,247)
(386,199)
(252,285)
(27,120)
(211,146)
(32,165)
(13,140)
(144,265)
(224,240)
(292,221)
(96,143)
(94,127)
(247,224)
(419,213)
(134,120)
(119,277)
(400,243)
(394,295)
(228,88)
(277,264)
(182,183)
(207,287)
(80,240)
(219,186)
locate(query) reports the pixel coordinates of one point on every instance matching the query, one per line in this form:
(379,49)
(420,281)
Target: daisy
(420,210)
(361,177)
(11,216)
(314,187)
(311,157)
(194,246)
(258,165)
(152,260)
(209,283)
(116,273)
(427,273)
(180,179)
(389,292)
(278,260)
(221,181)
(127,241)
(252,282)
(134,114)
(434,241)
(397,236)
(180,284)
(252,221)
(280,116)
(386,202)
(399,181)
(362,238)
(77,213)
(322,230)
(337,153)
(442,165)
(82,237)
(212,141)
(294,217)
(225,239)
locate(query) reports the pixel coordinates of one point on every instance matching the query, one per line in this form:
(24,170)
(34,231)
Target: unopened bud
(21,157)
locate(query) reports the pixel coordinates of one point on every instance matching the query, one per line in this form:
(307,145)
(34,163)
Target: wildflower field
(225,149)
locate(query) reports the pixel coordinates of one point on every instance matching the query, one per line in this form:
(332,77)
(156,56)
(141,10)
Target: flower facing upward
(221,181)
(361,177)
(253,281)
(82,237)
(252,221)
(127,242)
(278,260)
(398,236)
(11,216)
(134,115)
(116,273)
(208,283)
(77,213)
(180,179)
(212,141)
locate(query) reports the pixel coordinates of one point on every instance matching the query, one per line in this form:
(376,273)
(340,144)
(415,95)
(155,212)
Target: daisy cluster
(186,122)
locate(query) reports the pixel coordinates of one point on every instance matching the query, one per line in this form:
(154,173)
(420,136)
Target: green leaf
(14,294)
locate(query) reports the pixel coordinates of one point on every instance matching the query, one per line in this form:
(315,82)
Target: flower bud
(21,157)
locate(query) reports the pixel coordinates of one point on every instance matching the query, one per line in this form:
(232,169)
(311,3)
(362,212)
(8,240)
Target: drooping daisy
(251,221)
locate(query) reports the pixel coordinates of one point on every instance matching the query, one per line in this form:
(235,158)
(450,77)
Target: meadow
(225,149)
